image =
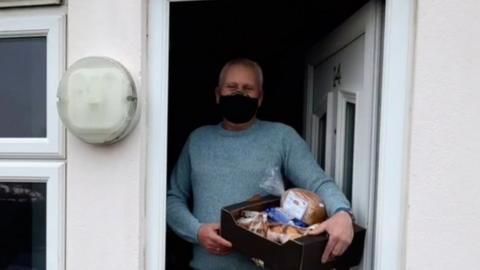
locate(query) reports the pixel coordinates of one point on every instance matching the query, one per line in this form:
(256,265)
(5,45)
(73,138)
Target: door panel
(342,88)
(342,71)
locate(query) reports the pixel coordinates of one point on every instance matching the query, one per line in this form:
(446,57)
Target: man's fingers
(221,241)
(328,250)
(216,226)
(339,249)
(317,228)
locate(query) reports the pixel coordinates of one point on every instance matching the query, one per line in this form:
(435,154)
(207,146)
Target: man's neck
(237,127)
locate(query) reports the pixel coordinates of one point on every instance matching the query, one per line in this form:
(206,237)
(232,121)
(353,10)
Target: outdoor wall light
(97,100)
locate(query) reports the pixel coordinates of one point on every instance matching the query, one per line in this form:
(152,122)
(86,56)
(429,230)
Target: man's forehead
(240,72)
(239,69)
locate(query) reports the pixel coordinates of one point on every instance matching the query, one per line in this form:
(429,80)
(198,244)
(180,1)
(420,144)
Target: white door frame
(397,76)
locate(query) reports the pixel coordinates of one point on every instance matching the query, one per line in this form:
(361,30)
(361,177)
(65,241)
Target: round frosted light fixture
(97,100)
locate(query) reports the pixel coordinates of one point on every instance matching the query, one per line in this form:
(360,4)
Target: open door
(341,108)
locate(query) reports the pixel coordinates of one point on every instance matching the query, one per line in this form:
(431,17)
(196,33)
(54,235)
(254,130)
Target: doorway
(396,79)
(206,34)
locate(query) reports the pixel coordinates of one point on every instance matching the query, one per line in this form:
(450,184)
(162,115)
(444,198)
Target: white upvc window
(32,143)
(23,3)
(32,196)
(32,60)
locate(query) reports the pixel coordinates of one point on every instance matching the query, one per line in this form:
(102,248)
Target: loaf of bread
(280,233)
(307,206)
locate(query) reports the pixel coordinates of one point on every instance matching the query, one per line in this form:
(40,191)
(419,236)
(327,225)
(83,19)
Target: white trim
(53,174)
(343,98)
(371,80)
(53,27)
(157,119)
(398,53)
(21,3)
(330,141)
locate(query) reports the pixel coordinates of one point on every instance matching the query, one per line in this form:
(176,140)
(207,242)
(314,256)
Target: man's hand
(340,230)
(209,237)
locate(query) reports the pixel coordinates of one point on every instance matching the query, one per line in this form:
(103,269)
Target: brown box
(302,253)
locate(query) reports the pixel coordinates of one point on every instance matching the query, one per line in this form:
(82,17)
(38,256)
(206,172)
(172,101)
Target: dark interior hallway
(206,34)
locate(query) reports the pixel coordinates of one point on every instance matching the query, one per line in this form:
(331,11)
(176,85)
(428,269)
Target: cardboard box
(303,253)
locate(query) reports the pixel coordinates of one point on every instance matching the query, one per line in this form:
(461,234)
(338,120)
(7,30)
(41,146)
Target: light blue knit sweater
(218,167)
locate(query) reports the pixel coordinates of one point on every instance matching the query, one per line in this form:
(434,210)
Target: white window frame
(53,174)
(22,3)
(317,114)
(53,28)
(343,98)
(331,141)
(397,70)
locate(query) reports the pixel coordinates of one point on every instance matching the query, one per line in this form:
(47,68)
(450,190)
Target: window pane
(23,87)
(23,226)
(348,155)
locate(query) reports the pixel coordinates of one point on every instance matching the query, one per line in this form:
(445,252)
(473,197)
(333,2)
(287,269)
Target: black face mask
(238,109)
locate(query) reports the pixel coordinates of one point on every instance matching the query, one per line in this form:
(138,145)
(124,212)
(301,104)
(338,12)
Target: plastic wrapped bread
(304,205)
(281,233)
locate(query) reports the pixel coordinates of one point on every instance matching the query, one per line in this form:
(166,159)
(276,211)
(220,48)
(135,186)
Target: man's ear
(217,95)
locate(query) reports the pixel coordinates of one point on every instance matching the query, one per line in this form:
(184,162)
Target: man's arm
(179,217)
(302,169)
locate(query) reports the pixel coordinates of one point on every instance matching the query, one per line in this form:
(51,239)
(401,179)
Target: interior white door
(341,111)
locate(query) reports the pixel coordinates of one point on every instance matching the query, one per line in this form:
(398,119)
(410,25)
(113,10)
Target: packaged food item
(254,221)
(298,209)
(279,230)
(299,204)
(281,233)
(279,215)
(303,205)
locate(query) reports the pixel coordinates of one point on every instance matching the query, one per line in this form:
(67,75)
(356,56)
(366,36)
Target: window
(348,149)
(32,52)
(345,141)
(31,203)
(23,76)
(18,3)
(23,208)
(32,193)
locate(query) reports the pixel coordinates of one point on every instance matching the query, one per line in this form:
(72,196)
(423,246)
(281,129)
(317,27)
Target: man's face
(239,79)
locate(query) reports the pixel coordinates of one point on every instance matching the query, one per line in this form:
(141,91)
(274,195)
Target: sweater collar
(249,130)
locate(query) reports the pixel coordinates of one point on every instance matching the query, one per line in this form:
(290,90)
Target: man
(225,163)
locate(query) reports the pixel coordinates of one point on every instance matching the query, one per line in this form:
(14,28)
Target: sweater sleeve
(179,217)
(301,168)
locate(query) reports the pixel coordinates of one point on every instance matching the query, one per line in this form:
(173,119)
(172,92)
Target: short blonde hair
(242,62)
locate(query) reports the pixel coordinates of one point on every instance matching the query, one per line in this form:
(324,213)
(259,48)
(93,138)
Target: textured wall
(105,194)
(444,185)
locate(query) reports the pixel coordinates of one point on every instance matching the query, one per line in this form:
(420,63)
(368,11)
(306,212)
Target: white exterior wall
(105,184)
(443,215)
